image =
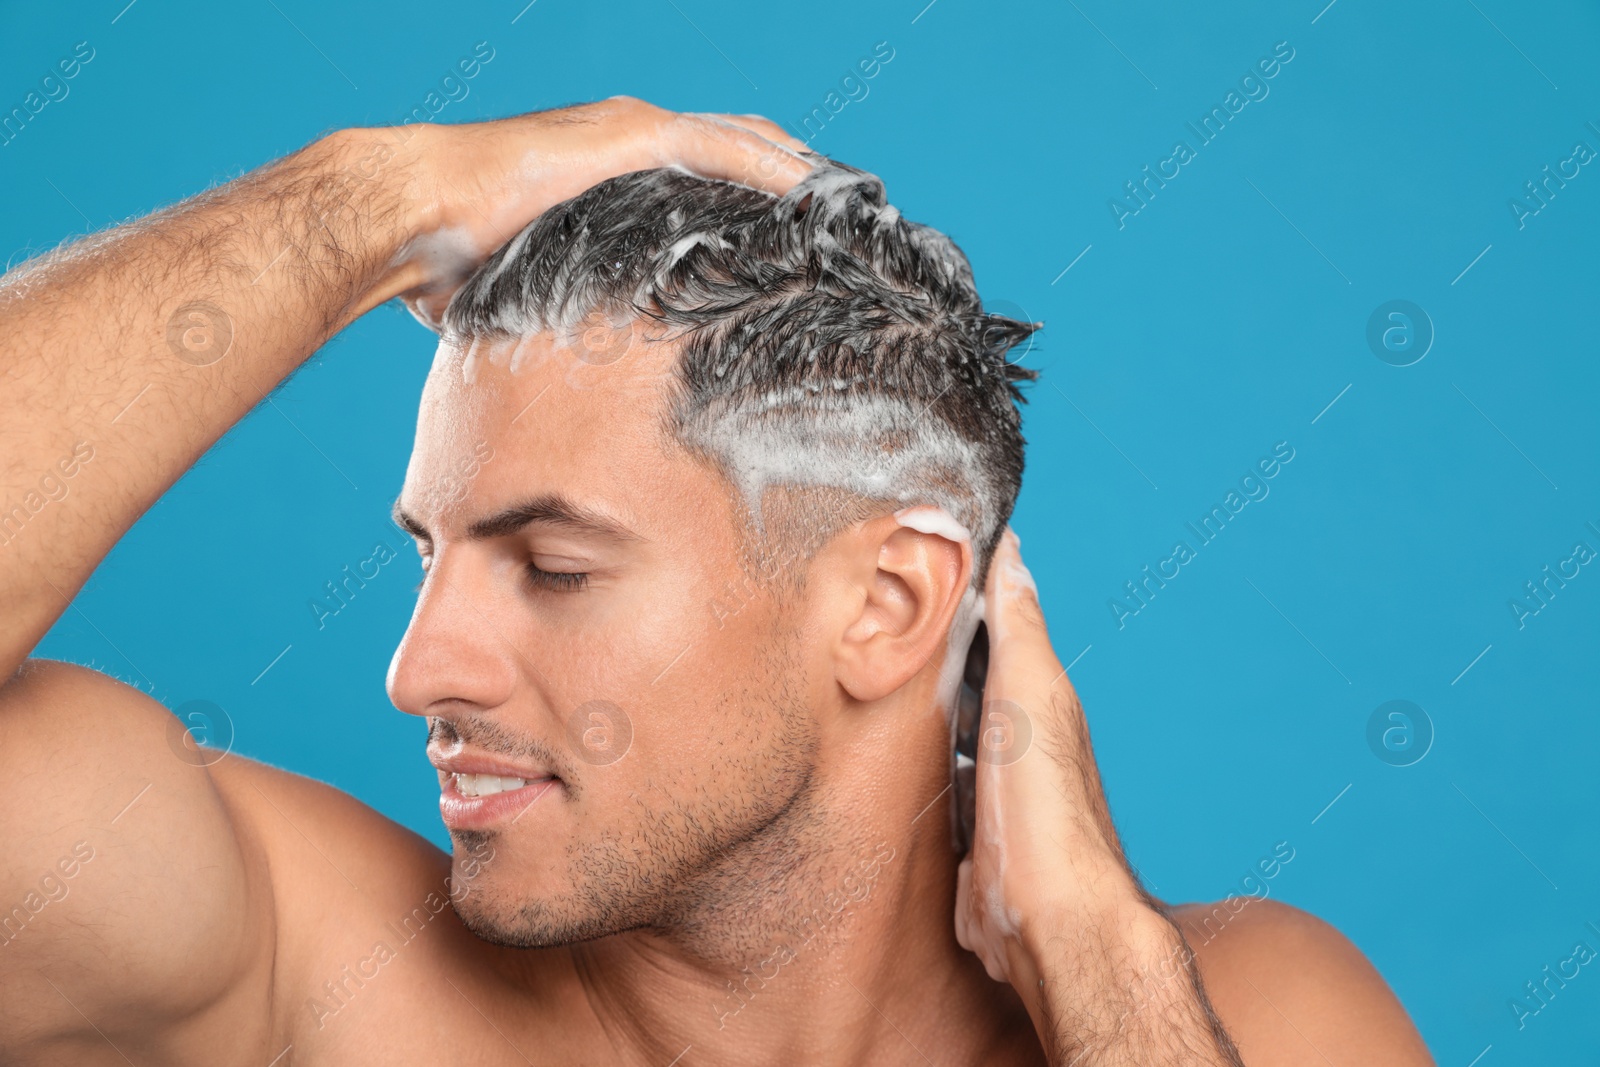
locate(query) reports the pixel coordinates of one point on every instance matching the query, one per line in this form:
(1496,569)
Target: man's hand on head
(127,355)
(1049,902)
(142,345)
(472,187)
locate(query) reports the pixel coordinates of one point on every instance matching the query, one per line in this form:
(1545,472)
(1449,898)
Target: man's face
(587,625)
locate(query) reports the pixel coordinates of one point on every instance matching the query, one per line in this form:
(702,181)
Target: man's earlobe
(912,591)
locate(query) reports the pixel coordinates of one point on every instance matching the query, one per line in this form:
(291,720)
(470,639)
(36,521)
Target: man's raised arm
(127,354)
(123,357)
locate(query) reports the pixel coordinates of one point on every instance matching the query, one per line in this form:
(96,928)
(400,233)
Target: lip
(470,763)
(461,812)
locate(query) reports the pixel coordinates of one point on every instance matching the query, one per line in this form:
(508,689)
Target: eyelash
(553,581)
(557,581)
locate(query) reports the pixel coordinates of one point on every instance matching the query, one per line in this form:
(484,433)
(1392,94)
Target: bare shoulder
(324,837)
(342,872)
(368,937)
(136,896)
(168,892)
(1293,990)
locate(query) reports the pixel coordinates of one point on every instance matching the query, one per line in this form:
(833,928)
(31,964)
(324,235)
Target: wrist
(1089,891)
(1120,988)
(372,193)
(1101,941)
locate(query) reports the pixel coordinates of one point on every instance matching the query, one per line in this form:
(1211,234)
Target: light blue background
(1222,319)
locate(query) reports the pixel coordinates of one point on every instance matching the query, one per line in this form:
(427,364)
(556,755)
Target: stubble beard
(710,860)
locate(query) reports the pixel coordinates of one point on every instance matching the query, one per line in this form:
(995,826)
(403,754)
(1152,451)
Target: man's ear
(911,583)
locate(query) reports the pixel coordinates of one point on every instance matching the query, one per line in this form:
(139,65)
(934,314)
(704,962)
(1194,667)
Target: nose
(454,658)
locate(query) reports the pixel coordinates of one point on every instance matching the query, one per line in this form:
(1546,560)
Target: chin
(489,924)
(505,905)
(531,923)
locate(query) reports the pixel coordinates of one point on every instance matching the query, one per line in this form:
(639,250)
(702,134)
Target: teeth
(485,785)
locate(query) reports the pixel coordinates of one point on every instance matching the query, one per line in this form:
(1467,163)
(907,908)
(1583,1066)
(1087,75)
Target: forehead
(504,420)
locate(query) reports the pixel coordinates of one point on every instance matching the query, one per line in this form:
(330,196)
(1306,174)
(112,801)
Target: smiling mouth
(478,801)
(487,785)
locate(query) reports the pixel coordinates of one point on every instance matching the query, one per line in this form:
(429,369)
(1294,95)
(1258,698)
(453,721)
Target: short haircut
(826,342)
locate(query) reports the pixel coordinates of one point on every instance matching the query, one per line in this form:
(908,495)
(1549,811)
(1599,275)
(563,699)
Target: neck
(827,939)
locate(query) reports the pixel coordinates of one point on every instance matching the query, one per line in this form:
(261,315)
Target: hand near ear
(1046,898)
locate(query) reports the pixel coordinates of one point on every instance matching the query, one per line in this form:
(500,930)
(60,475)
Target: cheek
(628,671)
(619,638)
(709,703)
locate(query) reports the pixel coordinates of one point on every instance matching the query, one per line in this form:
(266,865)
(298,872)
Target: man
(706,481)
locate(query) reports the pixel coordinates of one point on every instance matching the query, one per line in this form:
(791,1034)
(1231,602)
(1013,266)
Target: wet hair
(826,342)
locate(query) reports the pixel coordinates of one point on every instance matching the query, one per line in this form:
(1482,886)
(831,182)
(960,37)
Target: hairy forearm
(1121,990)
(127,354)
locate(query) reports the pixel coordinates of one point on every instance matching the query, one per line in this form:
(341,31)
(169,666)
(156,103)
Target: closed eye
(557,581)
(551,581)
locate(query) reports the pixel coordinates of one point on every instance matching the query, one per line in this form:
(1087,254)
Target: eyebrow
(548,509)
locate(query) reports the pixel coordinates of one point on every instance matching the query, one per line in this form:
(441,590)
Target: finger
(1025,672)
(964,936)
(713,148)
(428,310)
(1022,664)
(764,127)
